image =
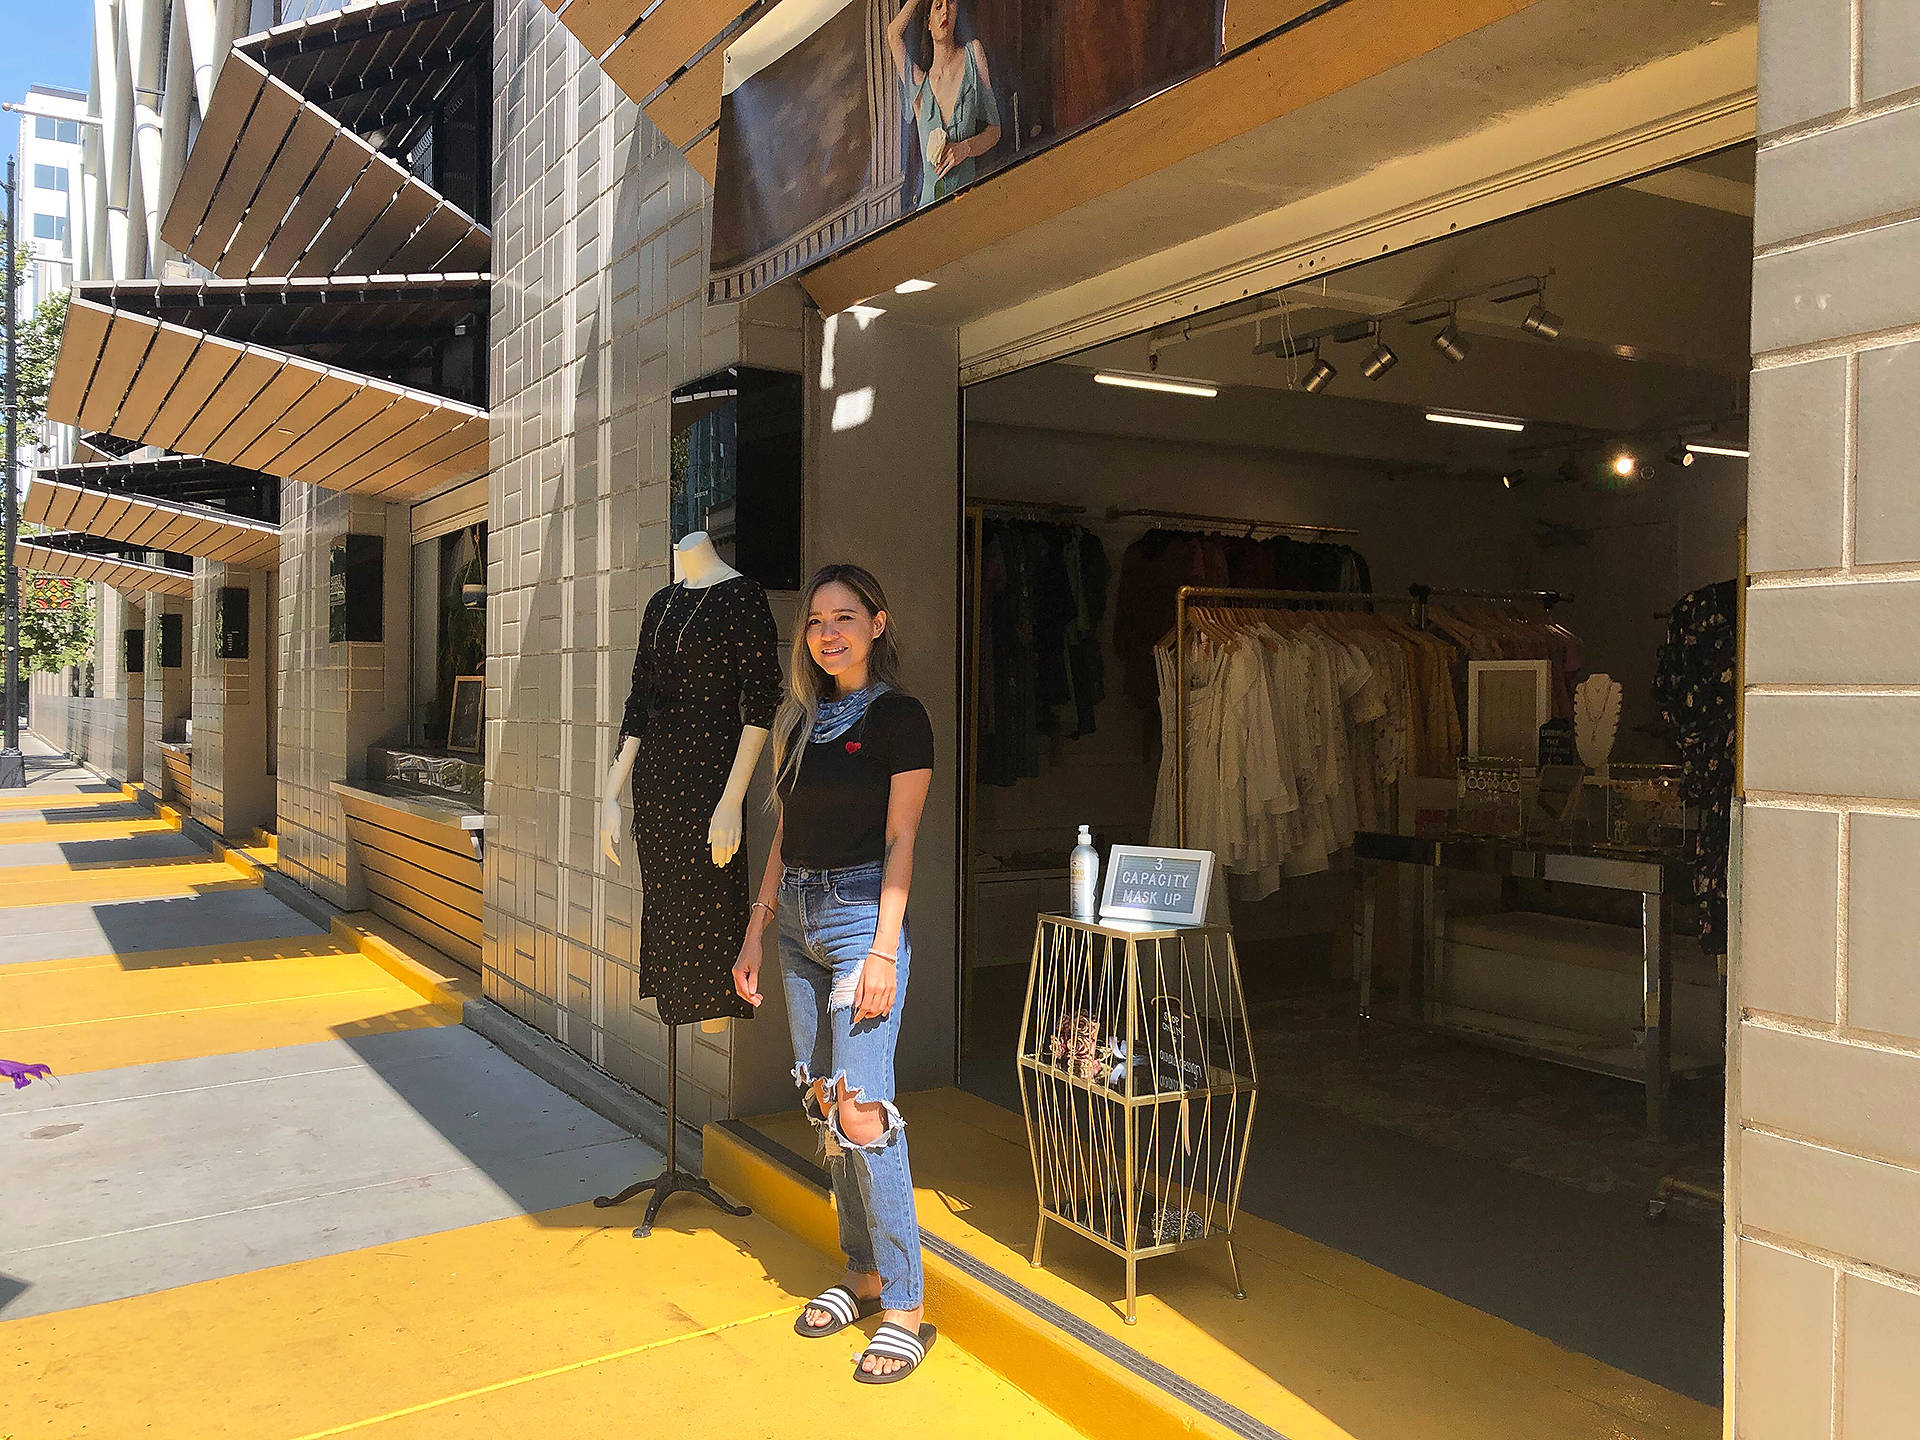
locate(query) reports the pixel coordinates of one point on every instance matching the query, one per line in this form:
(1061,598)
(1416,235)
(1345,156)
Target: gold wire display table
(1138,1085)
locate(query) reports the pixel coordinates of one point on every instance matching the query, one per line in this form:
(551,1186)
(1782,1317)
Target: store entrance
(1429,506)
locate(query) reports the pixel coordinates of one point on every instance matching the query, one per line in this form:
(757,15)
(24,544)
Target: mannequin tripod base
(668,1182)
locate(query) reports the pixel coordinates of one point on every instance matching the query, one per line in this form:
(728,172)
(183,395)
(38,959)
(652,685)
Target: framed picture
(1507,703)
(467,712)
(1167,886)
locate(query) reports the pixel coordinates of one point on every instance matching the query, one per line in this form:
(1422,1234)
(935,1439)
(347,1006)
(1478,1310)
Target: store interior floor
(1508,1184)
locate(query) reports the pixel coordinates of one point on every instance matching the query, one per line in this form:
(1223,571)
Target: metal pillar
(13,765)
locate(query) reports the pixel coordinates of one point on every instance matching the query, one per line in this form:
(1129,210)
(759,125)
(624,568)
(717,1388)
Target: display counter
(420,858)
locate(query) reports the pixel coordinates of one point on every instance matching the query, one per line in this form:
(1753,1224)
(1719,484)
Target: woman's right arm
(746,970)
(897,42)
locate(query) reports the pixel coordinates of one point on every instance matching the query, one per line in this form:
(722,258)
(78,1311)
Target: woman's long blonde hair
(808,686)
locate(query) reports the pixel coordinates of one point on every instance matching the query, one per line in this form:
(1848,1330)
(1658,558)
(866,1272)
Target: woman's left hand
(873,997)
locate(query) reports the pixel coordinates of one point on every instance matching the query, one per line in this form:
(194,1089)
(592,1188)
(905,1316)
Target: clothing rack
(1227,595)
(1229,522)
(1418,599)
(1031,509)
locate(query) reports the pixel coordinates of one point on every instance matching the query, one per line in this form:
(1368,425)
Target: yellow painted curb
(447,993)
(1097,1396)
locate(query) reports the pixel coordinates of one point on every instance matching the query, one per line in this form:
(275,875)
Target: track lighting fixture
(1380,359)
(1319,377)
(1513,479)
(1730,452)
(1624,464)
(1542,322)
(1679,455)
(1569,471)
(1450,342)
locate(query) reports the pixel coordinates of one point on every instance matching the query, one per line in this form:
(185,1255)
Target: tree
(39,348)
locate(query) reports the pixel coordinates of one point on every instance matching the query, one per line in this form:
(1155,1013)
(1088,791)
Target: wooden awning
(370,65)
(666,56)
(122,574)
(274,185)
(260,408)
(178,480)
(149,524)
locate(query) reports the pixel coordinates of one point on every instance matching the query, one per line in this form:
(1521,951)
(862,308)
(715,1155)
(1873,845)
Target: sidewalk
(278,1194)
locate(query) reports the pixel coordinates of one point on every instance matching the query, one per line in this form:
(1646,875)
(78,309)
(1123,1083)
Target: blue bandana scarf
(841,714)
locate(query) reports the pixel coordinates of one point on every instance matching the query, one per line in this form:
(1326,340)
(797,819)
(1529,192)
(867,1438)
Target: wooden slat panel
(691,104)
(154,524)
(672,35)
(440,834)
(395,419)
(461,455)
(233,95)
(374,868)
(454,947)
(1248,20)
(166,360)
(391,229)
(273,116)
(243,383)
(345,159)
(361,403)
(705,157)
(203,374)
(120,359)
(312,133)
(462,900)
(296,381)
(445,228)
(596,24)
(433,425)
(461,868)
(86,332)
(371,193)
(263,454)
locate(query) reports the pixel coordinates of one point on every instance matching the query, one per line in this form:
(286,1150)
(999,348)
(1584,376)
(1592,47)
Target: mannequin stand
(672,1179)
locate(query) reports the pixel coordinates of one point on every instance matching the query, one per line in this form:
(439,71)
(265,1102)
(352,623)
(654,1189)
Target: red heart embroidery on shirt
(853,747)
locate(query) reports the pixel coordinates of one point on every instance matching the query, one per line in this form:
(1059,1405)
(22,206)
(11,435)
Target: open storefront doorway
(1539,426)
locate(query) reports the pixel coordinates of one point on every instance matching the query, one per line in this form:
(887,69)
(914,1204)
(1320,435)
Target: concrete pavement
(278,1192)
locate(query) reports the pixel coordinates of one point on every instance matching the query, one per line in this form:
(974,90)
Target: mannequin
(706,683)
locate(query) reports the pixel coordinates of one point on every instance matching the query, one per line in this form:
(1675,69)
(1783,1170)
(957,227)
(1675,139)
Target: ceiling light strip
(1166,384)
(1477,422)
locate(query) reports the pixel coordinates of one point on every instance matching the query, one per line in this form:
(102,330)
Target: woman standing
(853,758)
(950,92)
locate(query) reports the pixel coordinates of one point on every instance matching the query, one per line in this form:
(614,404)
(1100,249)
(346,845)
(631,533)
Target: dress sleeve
(635,719)
(909,736)
(757,660)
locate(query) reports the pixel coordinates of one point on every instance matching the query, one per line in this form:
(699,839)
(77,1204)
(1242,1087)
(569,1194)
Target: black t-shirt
(835,813)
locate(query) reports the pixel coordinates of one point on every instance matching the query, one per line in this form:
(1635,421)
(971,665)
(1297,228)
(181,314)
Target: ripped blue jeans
(827,920)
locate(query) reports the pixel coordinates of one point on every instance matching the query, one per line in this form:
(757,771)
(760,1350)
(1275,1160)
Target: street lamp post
(13,765)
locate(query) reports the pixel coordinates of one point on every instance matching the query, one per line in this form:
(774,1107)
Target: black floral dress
(707,665)
(1694,689)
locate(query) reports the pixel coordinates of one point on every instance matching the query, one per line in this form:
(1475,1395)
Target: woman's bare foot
(908,1320)
(864,1287)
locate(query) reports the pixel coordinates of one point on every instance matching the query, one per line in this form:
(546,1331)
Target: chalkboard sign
(231,607)
(354,580)
(1169,886)
(1557,746)
(136,643)
(172,641)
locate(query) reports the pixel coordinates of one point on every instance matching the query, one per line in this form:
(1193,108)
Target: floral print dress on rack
(1694,690)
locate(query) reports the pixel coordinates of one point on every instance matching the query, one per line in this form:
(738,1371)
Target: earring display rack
(1138,1084)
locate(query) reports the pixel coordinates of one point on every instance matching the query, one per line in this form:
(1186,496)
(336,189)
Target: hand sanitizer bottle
(1084,869)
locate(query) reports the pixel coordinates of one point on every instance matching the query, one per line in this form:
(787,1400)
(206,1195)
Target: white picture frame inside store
(1507,703)
(1168,887)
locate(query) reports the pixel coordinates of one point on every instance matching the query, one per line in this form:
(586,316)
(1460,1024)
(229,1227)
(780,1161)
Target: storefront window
(450,637)
(736,470)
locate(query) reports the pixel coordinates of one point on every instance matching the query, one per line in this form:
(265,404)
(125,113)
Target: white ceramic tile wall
(1826,1155)
(599,311)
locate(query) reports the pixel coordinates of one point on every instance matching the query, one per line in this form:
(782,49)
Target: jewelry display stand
(1138,1085)
(672,1179)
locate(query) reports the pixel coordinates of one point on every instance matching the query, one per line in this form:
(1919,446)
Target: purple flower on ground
(23,1074)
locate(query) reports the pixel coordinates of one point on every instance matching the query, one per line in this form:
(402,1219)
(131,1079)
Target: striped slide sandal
(895,1342)
(842,1305)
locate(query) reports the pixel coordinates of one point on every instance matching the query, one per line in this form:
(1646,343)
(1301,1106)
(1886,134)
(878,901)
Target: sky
(42,42)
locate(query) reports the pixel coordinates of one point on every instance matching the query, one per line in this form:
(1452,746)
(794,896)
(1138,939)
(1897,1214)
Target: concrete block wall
(600,240)
(232,791)
(1825,1105)
(168,692)
(93,727)
(336,700)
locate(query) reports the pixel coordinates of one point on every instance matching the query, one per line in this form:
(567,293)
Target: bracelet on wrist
(772,911)
(882,955)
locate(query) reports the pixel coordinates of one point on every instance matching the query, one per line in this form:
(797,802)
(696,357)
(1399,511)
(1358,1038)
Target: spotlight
(1679,455)
(1542,322)
(1379,360)
(1568,472)
(1451,343)
(1625,464)
(1319,377)
(1513,479)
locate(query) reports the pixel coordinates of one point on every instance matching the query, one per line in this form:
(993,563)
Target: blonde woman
(853,757)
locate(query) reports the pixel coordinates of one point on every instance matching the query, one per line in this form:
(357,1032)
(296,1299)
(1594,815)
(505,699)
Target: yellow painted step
(68,885)
(17,832)
(52,799)
(1325,1346)
(96,1014)
(557,1324)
